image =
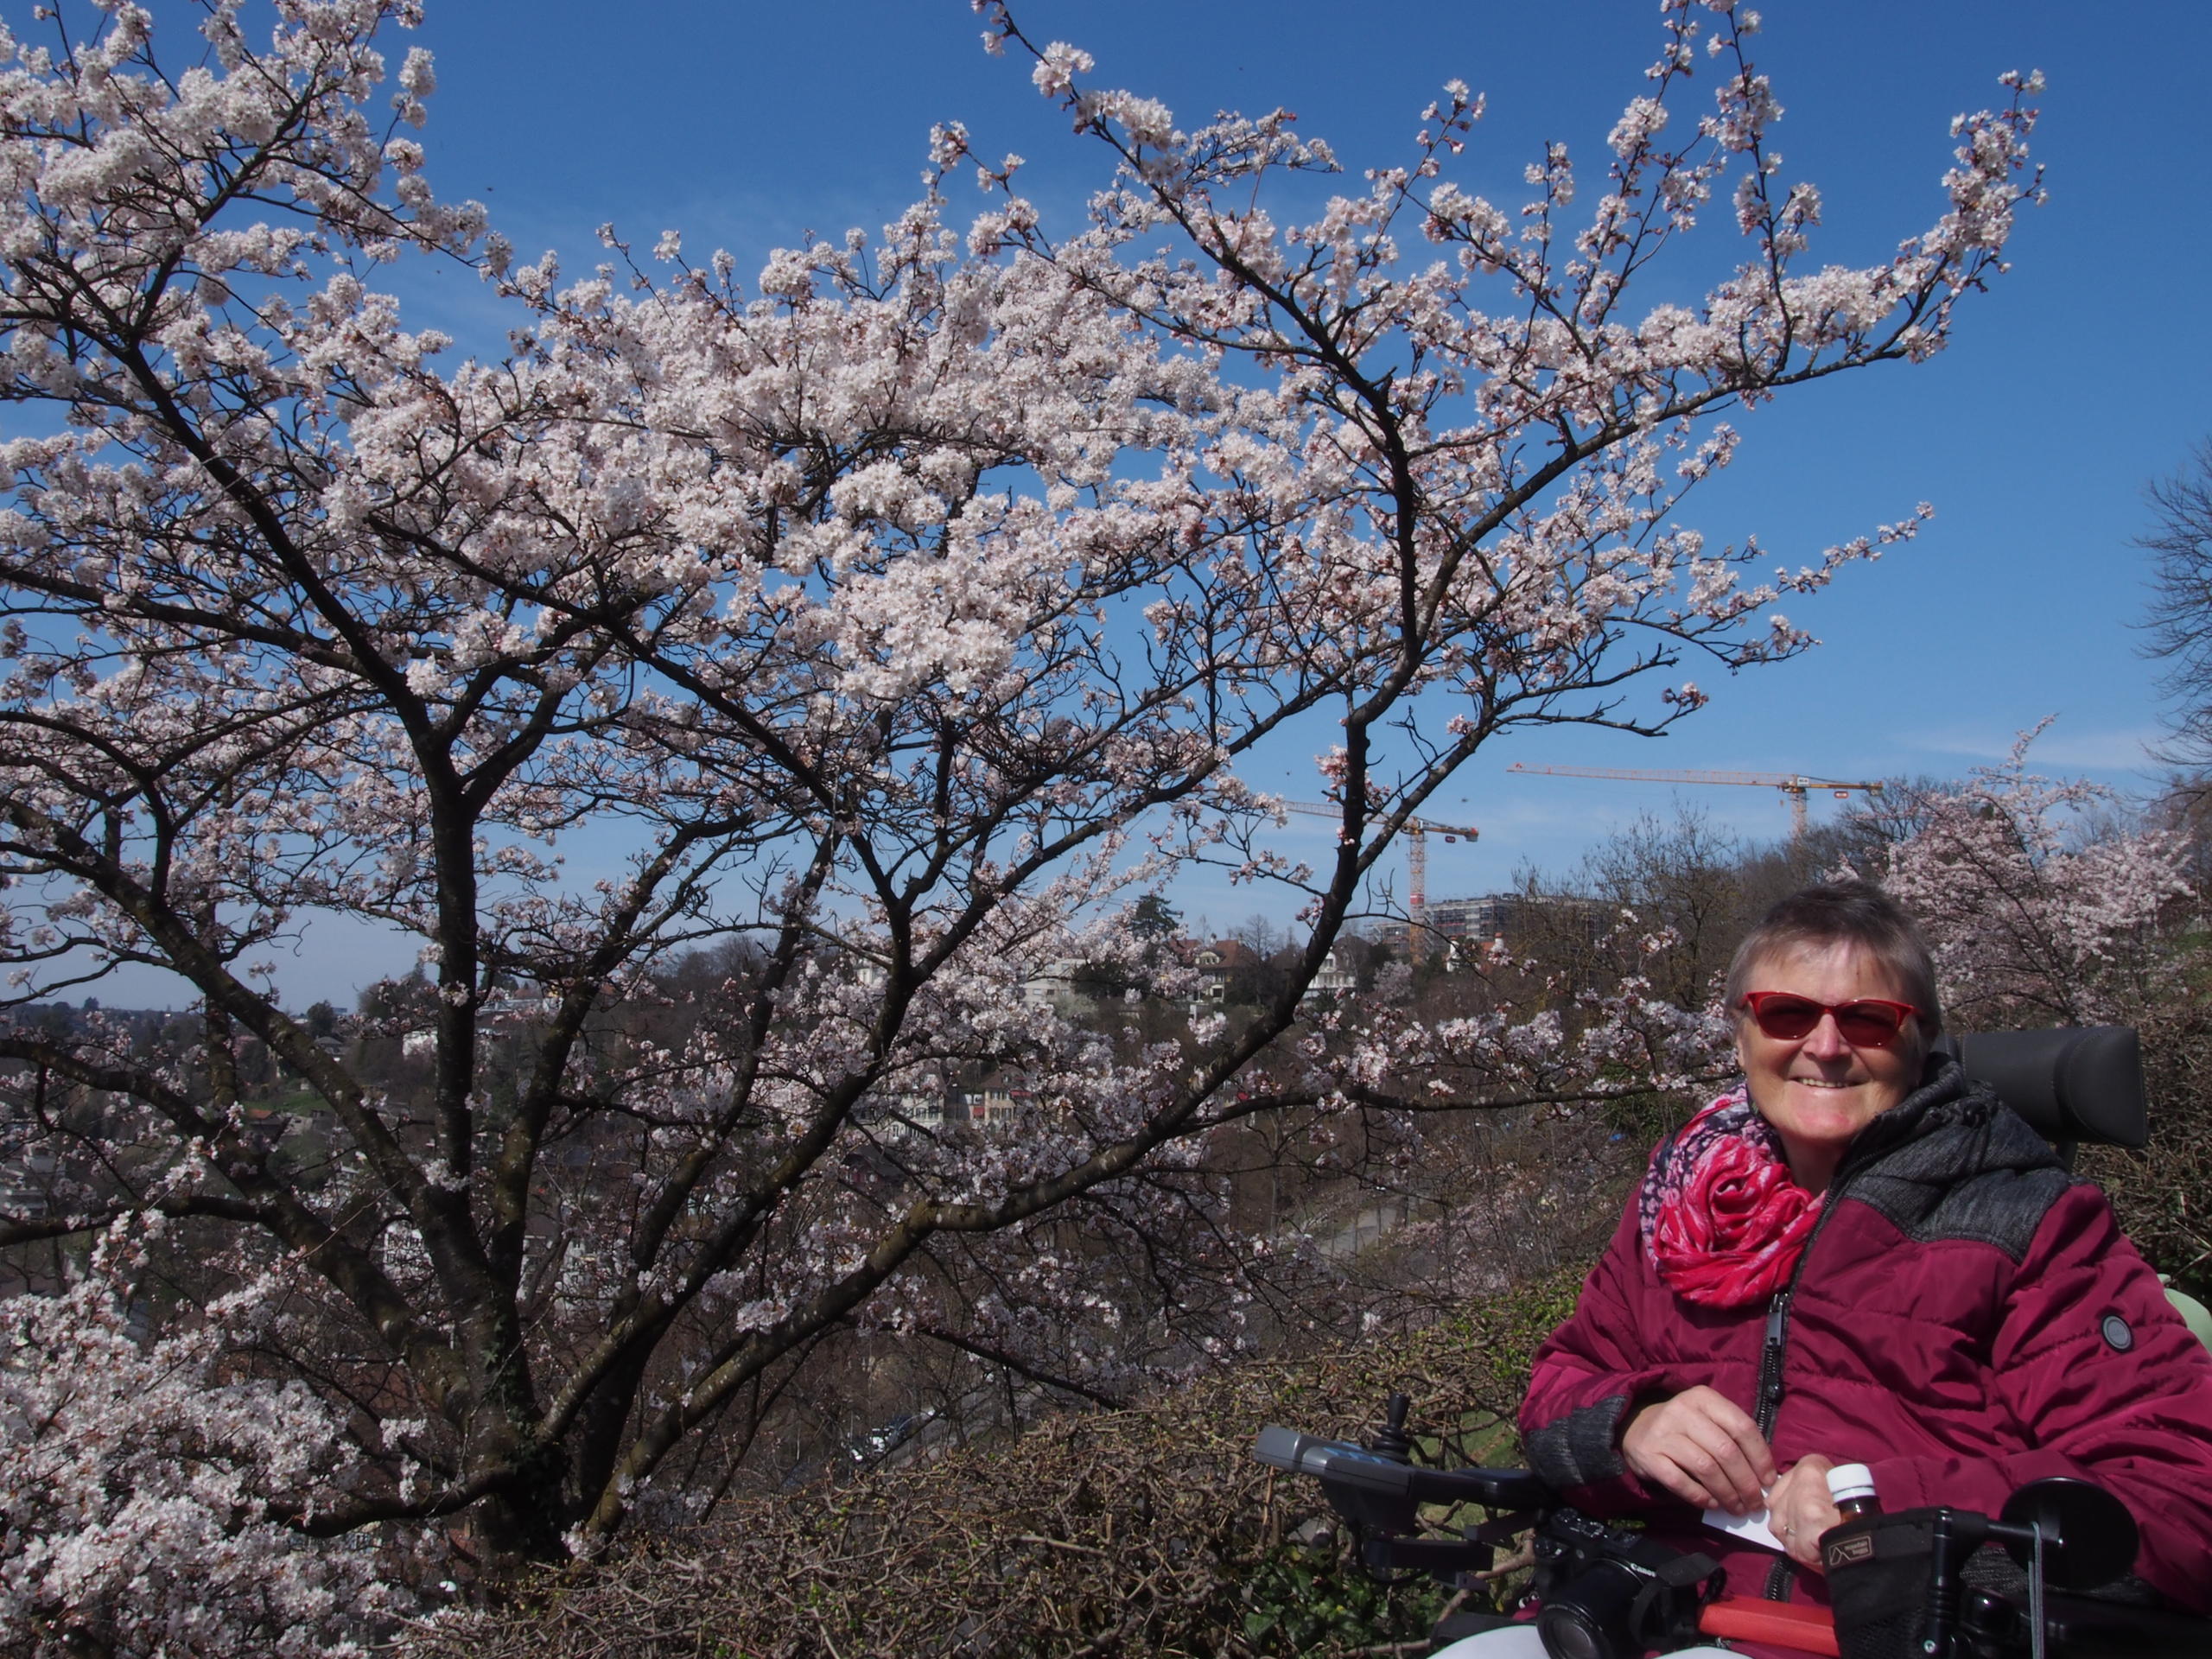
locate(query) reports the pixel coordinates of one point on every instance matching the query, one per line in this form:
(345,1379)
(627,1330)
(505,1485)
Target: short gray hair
(1844,912)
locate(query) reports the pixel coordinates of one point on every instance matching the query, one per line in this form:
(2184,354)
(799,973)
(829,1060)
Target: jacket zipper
(1773,1350)
(1783,1572)
(1770,1354)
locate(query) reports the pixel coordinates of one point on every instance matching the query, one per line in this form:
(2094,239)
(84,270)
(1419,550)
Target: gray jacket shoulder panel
(1974,1171)
(2003,1208)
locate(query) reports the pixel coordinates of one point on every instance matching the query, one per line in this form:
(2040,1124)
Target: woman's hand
(1799,1510)
(1703,1447)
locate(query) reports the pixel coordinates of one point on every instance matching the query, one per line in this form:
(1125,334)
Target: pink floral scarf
(1723,1223)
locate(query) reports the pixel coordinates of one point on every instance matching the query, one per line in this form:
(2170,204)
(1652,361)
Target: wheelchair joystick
(1391,1440)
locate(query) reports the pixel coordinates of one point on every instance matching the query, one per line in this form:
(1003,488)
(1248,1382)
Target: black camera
(1611,1594)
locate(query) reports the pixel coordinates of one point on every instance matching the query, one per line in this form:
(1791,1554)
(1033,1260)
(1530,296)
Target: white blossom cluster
(149,1488)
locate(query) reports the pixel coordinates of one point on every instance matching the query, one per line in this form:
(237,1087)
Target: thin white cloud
(2121,749)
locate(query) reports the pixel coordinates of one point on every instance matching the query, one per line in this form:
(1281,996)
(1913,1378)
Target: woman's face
(1818,1090)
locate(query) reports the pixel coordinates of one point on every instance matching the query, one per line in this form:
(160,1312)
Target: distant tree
(2040,909)
(1153,919)
(1262,935)
(897,615)
(1873,824)
(2179,621)
(1684,879)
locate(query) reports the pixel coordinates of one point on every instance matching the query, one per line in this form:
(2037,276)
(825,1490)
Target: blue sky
(2076,381)
(2070,387)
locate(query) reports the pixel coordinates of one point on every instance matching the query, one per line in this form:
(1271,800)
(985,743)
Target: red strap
(1810,1630)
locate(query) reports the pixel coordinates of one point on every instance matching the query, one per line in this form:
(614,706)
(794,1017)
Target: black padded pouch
(1878,1571)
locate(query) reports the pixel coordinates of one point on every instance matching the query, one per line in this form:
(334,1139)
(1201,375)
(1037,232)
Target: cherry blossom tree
(904,615)
(2041,906)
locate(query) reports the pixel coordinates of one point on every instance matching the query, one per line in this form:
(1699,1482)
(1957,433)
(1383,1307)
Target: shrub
(1145,1531)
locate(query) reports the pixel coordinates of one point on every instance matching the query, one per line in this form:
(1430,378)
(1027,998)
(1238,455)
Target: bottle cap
(1850,1481)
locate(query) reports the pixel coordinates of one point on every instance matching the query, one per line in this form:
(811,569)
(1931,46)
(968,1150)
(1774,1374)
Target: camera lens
(1589,1617)
(1569,1632)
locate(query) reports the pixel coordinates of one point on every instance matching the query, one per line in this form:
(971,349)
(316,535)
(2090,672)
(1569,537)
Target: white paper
(1751,1529)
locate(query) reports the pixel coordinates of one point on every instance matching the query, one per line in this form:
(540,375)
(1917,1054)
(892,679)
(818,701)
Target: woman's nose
(1825,1041)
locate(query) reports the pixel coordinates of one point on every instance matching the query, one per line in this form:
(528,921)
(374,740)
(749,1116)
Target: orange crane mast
(1417,832)
(1795,786)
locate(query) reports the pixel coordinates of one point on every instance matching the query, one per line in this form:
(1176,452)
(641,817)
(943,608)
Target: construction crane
(1794,786)
(1416,832)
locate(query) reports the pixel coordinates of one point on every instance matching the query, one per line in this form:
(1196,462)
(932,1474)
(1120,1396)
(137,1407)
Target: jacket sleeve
(1586,1377)
(2109,1386)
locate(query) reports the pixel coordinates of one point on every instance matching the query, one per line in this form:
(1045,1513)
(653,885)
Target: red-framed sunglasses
(1865,1022)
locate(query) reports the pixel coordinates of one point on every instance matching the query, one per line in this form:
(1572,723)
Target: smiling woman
(1862,1257)
(1847,956)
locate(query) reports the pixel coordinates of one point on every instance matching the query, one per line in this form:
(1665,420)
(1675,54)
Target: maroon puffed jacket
(1967,1318)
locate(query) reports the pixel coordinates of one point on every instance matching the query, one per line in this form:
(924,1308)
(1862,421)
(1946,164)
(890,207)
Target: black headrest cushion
(2071,1083)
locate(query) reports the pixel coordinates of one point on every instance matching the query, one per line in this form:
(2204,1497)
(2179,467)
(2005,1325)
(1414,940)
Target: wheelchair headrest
(2071,1083)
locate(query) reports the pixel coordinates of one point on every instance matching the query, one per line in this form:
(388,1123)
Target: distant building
(1054,985)
(994,1102)
(1469,927)
(1381,932)
(921,1104)
(1219,964)
(1478,921)
(22,1192)
(514,1007)
(1335,977)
